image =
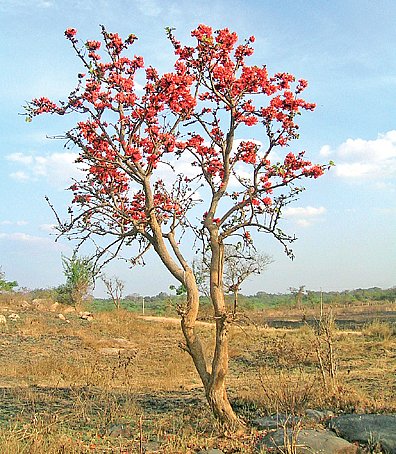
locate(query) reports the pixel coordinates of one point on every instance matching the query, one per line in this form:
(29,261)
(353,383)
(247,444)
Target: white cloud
(20,176)
(149,7)
(34,241)
(50,228)
(8,222)
(6,5)
(325,151)
(20,158)
(304,216)
(365,159)
(24,237)
(57,168)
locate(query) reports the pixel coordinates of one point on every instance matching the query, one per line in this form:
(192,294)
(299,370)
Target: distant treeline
(164,302)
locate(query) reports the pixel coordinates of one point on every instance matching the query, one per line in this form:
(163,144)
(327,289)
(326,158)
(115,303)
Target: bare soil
(110,384)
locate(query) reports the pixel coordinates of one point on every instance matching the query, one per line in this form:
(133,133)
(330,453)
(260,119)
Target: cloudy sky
(345,221)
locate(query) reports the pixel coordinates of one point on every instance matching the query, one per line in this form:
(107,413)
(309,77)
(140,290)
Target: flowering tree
(129,138)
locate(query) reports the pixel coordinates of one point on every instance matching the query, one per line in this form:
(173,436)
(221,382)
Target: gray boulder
(119,430)
(152,447)
(369,429)
(309,441)
(280,420)
(274,421)
(318,415)
(210,451)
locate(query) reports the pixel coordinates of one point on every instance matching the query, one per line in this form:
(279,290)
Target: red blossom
(93,45)
(267,201)
(125,133)
(70,33)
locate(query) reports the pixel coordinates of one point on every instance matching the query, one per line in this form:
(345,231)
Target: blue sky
(345,221)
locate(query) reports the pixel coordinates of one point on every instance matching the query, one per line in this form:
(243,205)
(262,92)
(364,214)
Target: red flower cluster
(70,33)
(126,133)
(44,105)
(247,152)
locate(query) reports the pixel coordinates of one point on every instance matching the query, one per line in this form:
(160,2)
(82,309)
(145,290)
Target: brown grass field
(121,384)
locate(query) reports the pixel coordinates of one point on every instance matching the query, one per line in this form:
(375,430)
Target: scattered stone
(308,441)
(122,342)
(115,346)
(152,447)
(86,316)
(61,317)
(318,415)
(42,304)
(54,307)
(25,305)
(120,430)
(68,309)
(211,451)
(112,351)
(367,429)
(274,421)
(14,317)
(3,320)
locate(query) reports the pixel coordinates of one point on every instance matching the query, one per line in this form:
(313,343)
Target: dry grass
(68,387)
(378,330)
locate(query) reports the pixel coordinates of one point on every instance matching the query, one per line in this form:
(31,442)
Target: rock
(68,309)
(115,346)
(25,305)
(318,415)
(42,304)
(152,447)
(61,317)
(14,317)
(309,441)
(367,429)
(54,307)
(274,421)
(211,451)
(86,316)
(111,351)
(119,430)
(3,320)
(123,343)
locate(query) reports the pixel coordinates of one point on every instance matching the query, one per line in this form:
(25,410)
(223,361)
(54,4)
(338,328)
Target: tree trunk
(221,407)
(216,392)
(213,381)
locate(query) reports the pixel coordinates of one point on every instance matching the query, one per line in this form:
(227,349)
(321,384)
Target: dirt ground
(120,381)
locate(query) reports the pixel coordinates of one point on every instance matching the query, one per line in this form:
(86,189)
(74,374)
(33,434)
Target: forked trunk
(213,380)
